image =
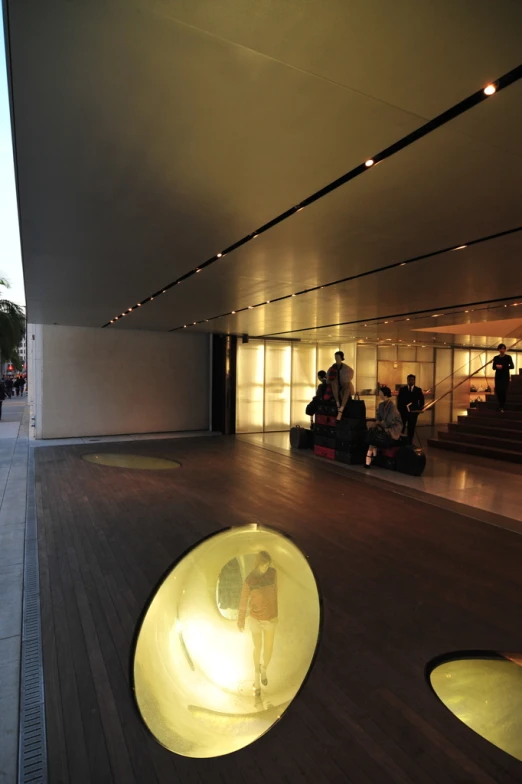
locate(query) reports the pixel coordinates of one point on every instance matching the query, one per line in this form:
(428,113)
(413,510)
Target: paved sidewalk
(14,451)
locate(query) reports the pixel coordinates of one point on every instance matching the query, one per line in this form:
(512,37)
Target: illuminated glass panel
(303,385)
(278,374)
(226,642)
(485,692)
(250,387)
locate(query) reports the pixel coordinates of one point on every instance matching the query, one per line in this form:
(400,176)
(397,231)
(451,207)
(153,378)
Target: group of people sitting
(391,420)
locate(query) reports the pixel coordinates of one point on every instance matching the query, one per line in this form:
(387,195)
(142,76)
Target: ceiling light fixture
(138,305)
(233,312)
(490,89)
(369,162)
(250,307)
(219,255)
(460,247)
(293,295)
(198,270)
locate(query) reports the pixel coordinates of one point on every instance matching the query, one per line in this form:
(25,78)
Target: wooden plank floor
(402,581)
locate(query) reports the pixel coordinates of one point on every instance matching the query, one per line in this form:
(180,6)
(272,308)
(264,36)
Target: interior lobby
(215,197)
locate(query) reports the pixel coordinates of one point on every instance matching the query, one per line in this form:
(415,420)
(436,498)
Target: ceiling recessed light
(293,295)
(184,326)
(219,255)
(138,305)
(112,321)
(233,312)
(268,302)
(151,299)
(369,162)
(250,307)
(198,270)
(490,89)
(194,323)
(460,247)
(129,310)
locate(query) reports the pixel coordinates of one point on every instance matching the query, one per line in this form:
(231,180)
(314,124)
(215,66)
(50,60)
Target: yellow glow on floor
(486,694)
(194,677)
(132,461)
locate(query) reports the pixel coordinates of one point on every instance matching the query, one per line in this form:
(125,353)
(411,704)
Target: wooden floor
(402,582)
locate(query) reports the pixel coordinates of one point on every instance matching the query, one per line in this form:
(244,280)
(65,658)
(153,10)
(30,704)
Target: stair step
(494,421)
(508,407)
(479,413)
(474,449)
(480,440)
(494,431)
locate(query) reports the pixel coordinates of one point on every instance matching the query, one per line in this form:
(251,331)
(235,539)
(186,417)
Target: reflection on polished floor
(476,482)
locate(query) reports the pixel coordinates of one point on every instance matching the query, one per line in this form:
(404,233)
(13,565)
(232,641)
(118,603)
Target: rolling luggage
(328,408)
(301,438)
(324,441)
(323,419)
(323,451)
(410,461)
(381,461)
(351,457)
(350,431)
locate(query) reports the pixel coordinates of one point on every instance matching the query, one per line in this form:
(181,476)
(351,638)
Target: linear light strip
(359,275)
(396,318)
(450,114)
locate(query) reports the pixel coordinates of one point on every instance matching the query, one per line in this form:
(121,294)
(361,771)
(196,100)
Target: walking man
(410,401)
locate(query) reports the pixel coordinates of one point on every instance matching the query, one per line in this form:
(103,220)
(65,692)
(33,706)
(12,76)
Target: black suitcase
(301,438)
(327,408)
(325,430)
(410,461)
(353,457)
(324,441)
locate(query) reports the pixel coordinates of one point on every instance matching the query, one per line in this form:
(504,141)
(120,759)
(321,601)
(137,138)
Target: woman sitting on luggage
(387,430)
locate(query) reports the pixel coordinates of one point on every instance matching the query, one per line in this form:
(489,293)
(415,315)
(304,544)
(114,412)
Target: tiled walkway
(14,450)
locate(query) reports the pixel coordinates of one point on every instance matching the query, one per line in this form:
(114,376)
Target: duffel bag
(410,461)
(301,438)
(311,408)
(381,461)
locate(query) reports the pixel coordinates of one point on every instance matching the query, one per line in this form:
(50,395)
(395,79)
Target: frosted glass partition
(304,360)
(350,350)
(443,384)
(366,376)
(278,376)
(250,387)
(407,353)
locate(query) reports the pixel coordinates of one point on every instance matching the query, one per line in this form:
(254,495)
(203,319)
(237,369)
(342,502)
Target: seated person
(386,430)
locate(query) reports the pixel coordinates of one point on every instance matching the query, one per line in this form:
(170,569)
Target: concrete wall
(94,382)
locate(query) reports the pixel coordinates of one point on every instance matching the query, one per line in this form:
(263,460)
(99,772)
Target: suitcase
(327,408)
(323,451)
(301,438)
(325,430)
(324,441)
(410,461)
(324,419)
(354,457)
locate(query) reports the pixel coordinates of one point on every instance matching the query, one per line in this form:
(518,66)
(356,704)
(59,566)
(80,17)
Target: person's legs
(257,639)
(0,409)
(404,417)
(500,391)
(268,647)
(412,424)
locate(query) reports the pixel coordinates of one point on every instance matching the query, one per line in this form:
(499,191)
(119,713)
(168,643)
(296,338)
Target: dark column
(224,356)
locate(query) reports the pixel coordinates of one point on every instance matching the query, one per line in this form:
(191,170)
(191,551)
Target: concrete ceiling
(151,135)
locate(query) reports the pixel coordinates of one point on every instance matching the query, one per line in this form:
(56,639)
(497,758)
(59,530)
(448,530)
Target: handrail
(456,386)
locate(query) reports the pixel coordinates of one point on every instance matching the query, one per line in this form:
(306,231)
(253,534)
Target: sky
(10,256)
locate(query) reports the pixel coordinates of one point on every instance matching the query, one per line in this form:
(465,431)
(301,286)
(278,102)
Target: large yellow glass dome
(226,642)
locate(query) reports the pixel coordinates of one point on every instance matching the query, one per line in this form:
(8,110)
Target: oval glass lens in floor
(131,461)
(486,694)
(226,642)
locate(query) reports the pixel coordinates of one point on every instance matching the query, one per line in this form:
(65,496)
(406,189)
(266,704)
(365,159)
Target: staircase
(485,431)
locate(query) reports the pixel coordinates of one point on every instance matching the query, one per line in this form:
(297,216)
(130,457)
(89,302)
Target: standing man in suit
(410,399)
